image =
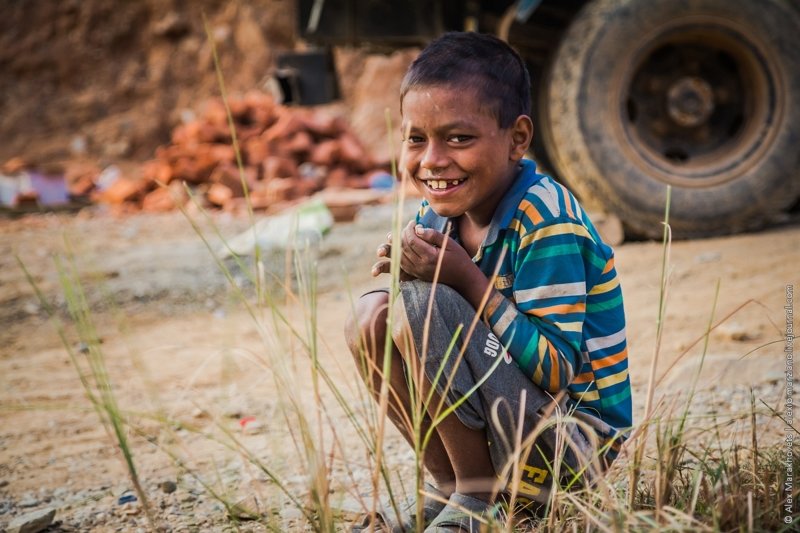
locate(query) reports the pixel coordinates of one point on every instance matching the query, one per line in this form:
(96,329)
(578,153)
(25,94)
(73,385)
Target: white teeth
(442,184)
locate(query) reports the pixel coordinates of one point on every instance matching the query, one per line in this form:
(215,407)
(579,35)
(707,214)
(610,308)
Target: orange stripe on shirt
(531,212)
(609,266)
(579,307)
(585,377)
(567,203)
(609,360)
(552,354)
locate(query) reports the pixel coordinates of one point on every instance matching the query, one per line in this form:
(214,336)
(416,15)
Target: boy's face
(456,153)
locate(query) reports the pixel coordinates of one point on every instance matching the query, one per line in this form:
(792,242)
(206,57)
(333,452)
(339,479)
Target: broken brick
(286,126)
(255,150)
(353,154)
(164,199)
(337,177)
(228,175)
(157,172)
(275,142)
(279,167)
(322,125)
(79,178)
(299,144)
(326,153)
(219,194)
(278,190)
(123,190)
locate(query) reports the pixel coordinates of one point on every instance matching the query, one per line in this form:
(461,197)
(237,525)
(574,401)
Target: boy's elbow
(567,374)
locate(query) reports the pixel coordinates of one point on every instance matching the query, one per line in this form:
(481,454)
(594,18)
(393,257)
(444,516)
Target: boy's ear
(521,137)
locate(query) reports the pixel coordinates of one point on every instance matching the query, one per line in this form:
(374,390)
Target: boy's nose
(434,158)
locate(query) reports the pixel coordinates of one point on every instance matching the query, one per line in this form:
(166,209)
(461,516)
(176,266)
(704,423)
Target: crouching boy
(524,284)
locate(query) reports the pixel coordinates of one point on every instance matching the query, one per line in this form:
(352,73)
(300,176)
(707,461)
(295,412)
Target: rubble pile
(286,154)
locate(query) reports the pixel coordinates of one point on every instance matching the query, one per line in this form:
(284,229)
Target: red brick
(222,153)
(323,125)
(123,190)
(162,199)
(279,190)
(186,133)
(337,177)
(286,126)
(80,178)
(300,144)
(13,165)
(354,154)
(279,167)
(218,194)
(238,109)
(228,174)
(255,150)
(157,172)
(214,112)
(326,153)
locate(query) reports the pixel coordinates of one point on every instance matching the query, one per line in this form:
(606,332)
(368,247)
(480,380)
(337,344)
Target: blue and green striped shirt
(557,307)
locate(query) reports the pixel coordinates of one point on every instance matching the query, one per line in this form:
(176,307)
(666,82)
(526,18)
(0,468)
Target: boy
(517,248)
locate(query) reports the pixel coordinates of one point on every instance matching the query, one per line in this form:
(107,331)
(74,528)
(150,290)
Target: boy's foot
(386,518)
(463,513)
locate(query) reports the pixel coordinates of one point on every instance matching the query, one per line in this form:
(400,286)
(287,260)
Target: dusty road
(178,344)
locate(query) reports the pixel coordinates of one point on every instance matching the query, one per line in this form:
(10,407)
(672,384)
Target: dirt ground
(177,342)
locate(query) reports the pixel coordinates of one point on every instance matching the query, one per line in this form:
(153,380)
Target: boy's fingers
(411,245)
(431,236)
(420,251)
(381,267)
(384,250)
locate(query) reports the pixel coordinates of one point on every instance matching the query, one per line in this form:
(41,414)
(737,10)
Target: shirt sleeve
(542,328)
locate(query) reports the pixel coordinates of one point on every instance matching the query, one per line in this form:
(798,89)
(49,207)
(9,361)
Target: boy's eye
(414,139)
(460,139)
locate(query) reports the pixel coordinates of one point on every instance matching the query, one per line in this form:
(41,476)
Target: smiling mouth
(441,185)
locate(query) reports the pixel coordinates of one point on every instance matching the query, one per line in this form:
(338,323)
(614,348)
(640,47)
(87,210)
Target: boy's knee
(366,325)
(417,296)
(411,308)
(399,321)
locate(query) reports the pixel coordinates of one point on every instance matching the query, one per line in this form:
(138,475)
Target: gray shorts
(496,404)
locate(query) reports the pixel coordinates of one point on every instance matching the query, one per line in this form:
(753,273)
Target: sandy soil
(178,343)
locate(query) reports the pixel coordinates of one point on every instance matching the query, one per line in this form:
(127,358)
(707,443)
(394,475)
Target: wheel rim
(699,105)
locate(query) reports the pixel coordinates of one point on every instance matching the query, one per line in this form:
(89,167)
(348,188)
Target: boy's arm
(543,327)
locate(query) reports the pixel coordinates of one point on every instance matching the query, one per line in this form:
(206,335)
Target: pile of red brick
(287,153)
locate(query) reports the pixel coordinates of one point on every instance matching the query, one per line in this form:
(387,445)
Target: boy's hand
(383,265)
(421,249)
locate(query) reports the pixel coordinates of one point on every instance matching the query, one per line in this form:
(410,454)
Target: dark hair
(479,61)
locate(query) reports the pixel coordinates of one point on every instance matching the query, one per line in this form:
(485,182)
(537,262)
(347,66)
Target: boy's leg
(365,334)
(466,447)
(496,407)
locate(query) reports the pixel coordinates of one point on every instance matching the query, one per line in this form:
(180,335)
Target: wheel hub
(690,101)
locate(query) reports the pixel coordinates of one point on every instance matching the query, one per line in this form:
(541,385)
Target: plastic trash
(381,180)
(126,498)
(108,176)
(294,229)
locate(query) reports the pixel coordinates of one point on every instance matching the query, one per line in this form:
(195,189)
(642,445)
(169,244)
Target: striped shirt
(557,307)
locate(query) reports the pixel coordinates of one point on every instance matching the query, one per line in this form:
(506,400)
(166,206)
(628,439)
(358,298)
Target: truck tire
(702,95)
